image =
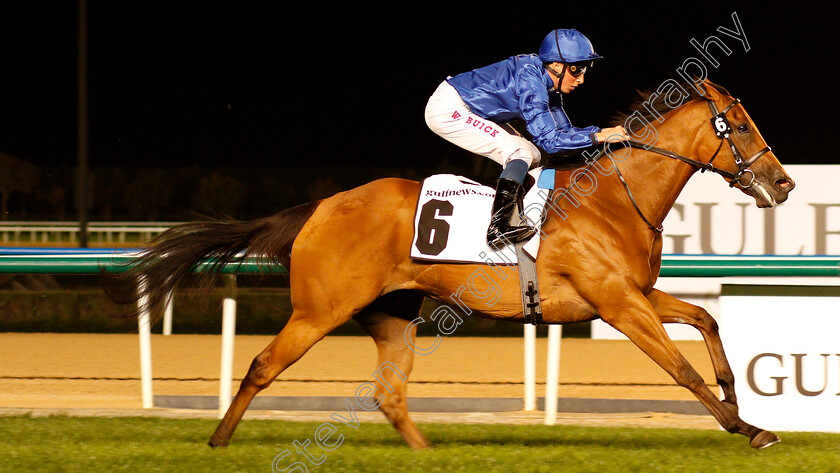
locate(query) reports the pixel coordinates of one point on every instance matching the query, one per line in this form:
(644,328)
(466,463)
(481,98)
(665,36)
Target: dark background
(266,84)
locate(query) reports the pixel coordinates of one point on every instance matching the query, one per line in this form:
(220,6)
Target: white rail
(52,233)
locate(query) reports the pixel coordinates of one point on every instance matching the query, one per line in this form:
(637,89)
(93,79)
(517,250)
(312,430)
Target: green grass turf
(154,444)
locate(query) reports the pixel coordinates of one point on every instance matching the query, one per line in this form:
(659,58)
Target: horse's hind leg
(672,310)
(635,317)
(299,334)
(395,359)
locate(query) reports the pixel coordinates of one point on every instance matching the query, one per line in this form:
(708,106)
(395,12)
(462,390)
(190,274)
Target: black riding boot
(509,193)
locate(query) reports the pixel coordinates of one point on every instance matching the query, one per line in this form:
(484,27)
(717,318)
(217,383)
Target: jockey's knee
(524,150)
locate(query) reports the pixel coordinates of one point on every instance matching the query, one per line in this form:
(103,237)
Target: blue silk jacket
(520,88)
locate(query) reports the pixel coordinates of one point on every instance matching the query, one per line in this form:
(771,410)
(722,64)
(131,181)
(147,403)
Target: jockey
(468,109)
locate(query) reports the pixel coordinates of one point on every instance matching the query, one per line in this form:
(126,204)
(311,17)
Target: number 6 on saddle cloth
(453,212)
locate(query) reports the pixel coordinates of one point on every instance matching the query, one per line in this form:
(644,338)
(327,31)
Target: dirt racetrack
(102,372)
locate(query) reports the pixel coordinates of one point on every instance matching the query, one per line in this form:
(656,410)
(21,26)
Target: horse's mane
(651,105)
(648,103)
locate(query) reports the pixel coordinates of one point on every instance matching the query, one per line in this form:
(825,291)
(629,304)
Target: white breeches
(448,116)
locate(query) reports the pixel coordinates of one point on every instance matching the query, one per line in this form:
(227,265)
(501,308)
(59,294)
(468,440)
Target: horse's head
(740,151)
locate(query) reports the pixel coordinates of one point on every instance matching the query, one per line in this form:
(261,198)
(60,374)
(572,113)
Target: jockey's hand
(616,133)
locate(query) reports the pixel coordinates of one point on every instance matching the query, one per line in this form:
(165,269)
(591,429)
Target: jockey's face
(570,82)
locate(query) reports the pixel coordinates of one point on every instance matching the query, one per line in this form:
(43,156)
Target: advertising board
(782,345)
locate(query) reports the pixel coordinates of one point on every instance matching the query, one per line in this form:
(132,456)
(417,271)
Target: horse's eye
(743,128)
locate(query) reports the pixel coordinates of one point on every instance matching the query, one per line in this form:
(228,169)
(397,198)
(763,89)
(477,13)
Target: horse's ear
(709,89)
(713,91)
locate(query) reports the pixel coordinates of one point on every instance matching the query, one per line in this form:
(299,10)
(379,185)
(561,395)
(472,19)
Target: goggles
(578,68)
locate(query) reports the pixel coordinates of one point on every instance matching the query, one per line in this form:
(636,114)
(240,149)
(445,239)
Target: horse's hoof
(764,439)
(218,443)
(420,446)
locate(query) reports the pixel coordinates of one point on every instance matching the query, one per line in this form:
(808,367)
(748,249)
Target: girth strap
(529,285)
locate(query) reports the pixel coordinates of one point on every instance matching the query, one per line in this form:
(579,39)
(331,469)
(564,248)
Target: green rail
(735,266)
(76,261)
(95,261)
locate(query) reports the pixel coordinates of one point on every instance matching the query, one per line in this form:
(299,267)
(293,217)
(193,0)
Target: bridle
(723,131)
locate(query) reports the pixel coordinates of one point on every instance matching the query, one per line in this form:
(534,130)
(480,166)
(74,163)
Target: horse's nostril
(785,184)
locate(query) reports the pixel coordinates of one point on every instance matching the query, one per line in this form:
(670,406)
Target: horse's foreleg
(636,318)
(395,361)
(672,310)
(288,346)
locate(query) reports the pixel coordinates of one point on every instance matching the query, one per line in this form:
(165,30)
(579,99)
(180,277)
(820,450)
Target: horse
(348,256)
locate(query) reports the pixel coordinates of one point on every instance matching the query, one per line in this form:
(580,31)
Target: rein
(724,132)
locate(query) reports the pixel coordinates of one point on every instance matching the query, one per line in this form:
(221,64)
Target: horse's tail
(178,251)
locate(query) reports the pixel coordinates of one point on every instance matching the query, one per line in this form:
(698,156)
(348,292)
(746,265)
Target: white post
(530,367)
(167,315)
(144,330)
(552,374)
(228,334)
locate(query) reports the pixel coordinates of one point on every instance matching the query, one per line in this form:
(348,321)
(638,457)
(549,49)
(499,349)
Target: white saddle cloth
(453,213)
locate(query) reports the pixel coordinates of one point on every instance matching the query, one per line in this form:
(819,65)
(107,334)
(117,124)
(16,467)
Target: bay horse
(349,256)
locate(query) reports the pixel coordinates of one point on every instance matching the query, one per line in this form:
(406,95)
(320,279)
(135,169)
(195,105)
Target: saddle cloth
(453,213)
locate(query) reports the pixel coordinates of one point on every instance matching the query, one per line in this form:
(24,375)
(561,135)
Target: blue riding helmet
(567,45)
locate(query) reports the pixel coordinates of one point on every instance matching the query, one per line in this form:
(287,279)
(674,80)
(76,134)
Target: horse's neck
(656,181)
